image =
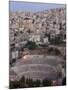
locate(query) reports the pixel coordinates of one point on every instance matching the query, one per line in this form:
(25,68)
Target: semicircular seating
(38,68)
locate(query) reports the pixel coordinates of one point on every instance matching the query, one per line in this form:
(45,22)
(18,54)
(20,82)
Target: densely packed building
(24,26)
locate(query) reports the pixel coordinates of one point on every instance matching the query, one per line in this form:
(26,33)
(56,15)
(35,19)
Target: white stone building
(34,38)
(45,40)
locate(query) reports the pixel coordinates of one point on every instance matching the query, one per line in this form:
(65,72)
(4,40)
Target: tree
(64,81)
(29,82)
(14,84)
(57,52)
(22,82)
(37,83)
(47,35)
(12,61)
(51,49)
(57,39)
(46,82)
(31,45)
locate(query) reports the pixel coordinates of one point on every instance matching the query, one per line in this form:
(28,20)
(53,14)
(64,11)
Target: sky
(32,6)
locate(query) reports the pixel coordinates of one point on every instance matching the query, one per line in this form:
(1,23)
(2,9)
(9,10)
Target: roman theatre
(38,67)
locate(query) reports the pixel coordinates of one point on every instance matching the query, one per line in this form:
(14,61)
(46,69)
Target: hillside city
(37,48)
